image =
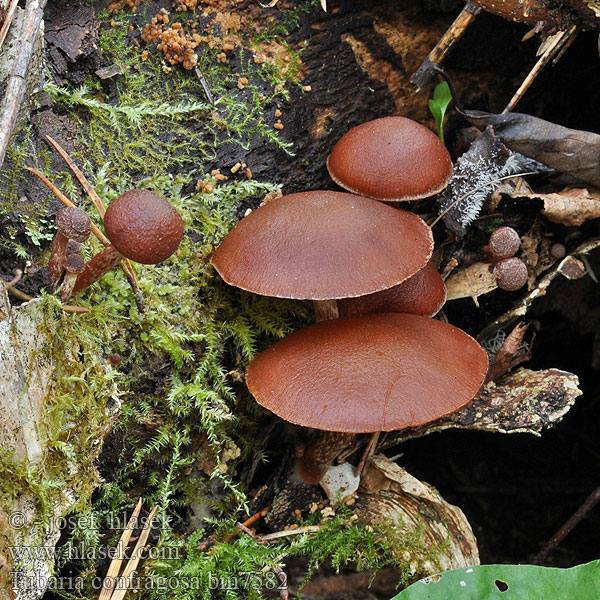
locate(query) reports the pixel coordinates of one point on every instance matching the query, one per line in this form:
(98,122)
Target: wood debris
(521,402)
(389,494)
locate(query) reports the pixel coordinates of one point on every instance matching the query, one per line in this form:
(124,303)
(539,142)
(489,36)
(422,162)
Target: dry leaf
(472,281)
(571,151)
(391,494)
(571,207)
(510,354)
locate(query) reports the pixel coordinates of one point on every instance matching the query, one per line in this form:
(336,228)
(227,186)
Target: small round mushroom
(422,294)
(72,223)
(379,372)
(74,247)
(504,242)
(558,251)
(390,159)
(322,246)
(141,226)
(511,273)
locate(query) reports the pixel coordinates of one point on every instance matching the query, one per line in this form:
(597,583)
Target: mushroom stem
(98,266)
(74,266)
(318,456)
(325,309)
(58,254)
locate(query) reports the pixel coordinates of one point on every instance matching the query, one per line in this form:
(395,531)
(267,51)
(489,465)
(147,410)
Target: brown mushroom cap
(390,159)
(74,263)
(374,373)
(504,242)
(422,294)
(74,223)
(511,273)
(143,226)
(323,245)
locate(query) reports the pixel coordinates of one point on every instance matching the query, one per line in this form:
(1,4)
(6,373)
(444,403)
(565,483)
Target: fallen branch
(17,82)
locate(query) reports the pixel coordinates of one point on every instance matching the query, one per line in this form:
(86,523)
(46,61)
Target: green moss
(241,567)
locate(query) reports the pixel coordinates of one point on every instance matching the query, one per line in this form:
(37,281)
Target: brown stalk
(96,201)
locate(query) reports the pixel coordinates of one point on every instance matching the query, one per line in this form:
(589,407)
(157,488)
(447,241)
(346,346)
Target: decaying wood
(7,15)
(17,82)
(390,494)
(27,379)
(522,402)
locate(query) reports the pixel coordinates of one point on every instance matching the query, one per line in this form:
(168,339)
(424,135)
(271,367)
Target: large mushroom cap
(323,245)
(143,226)
(379,372)
(422,294)
(390,159)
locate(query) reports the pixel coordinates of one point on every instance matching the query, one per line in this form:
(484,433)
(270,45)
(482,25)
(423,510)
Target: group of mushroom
(375,360)
(140,225)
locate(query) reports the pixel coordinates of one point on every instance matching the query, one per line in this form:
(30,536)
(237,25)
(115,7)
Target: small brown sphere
(390,159)
(74,223)
(143,226)
(510,273)
(504,242)
(558,251)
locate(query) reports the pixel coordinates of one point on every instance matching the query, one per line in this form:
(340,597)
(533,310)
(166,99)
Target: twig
(115,565)
(204,85)
(249,532)
(17,82)
(424,74)
(368,452)
(283,583)
(80,176)
(7,21)
(556,46)
(69,308)
(569,525)
(132,564)
(11,284)
(288,532)
(211,541)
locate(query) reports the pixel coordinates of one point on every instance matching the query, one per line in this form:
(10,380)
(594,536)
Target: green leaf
(509,582)
(438,105)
